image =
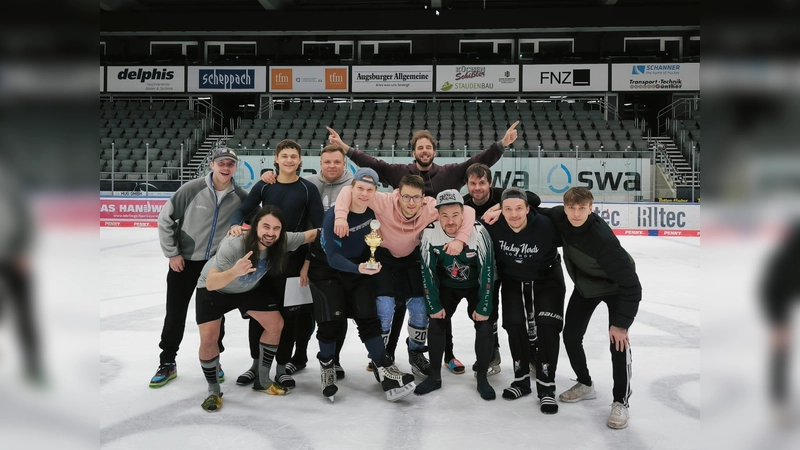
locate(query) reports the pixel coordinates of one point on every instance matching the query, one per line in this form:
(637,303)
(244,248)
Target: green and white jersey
(473,268)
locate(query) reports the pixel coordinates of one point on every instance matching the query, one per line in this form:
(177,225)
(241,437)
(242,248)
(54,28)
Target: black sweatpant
(448,346)
(548,305)
(180,287)
(579,311)
(484,339)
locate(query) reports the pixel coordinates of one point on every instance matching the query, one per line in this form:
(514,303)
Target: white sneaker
(577,393)
(618,418)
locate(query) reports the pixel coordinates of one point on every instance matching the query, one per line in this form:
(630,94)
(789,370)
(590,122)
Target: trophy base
(371,266)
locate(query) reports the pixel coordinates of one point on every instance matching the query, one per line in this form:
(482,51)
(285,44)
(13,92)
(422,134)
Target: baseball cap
(514,192)
(364,174)
(224,153)
(449,197)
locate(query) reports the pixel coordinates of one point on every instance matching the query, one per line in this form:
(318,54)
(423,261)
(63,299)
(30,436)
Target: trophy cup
(373,240)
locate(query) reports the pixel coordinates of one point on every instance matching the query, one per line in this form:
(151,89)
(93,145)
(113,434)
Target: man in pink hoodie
(403,215)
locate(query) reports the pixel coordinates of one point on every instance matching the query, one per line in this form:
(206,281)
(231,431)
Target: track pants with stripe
(548,305)
(579,311)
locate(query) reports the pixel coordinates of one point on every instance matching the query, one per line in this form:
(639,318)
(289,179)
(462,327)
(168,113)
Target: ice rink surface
(664,412)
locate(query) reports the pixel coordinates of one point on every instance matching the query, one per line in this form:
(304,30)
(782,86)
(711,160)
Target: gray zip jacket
(188,223)
(329,191)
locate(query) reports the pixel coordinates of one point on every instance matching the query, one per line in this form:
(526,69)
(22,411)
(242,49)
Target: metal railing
(675,111)
(168,172)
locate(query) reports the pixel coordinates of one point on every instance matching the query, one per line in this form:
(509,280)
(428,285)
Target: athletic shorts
(212,305)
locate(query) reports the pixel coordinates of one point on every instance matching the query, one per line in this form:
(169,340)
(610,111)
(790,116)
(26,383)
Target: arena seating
(147,138)
(460,127)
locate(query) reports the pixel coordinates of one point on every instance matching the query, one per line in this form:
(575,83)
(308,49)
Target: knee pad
(547,318)
(385,311)
(417,337)
(417,312)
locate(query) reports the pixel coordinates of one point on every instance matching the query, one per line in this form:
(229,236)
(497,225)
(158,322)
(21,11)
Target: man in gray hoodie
(333,174)
(190,227)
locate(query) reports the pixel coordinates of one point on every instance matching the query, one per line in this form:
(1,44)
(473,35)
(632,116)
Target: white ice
(664,412)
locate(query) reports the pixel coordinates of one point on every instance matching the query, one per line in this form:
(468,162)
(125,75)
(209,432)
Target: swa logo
(556,172)
(638,70)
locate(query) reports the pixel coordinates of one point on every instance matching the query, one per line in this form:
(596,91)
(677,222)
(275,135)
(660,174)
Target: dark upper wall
(334,22)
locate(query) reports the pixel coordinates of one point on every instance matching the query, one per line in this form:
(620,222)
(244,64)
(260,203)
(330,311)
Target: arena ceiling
(366,5)
(302,16)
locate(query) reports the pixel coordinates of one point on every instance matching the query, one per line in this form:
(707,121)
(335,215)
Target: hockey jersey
(472,268)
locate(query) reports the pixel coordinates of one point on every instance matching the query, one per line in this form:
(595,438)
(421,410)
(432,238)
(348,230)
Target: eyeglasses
(408,198)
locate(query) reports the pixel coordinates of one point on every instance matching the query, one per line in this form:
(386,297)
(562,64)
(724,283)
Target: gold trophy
(373,240)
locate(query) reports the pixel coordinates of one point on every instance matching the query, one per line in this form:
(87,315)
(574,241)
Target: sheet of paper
(296,295)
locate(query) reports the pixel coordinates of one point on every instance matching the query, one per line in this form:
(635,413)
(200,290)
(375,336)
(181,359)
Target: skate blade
(493,370)
(418,372)
(396,394)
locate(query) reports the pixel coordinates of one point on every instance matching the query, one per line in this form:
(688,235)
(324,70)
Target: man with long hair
(300,201)
(234,278)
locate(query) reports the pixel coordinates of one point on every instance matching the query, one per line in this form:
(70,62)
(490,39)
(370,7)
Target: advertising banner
(565,77)
(649,219)
(477,78)
(145,79)
(131,209)
(392,79)
(309,79)
(611,179)
(227,79)
(655,77)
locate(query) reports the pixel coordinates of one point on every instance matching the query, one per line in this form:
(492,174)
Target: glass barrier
(613,176)
(618,176)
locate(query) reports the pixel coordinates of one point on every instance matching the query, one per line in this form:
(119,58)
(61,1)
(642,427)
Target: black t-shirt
(525,255)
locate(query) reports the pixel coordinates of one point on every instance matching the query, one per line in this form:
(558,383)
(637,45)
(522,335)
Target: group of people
(438,247)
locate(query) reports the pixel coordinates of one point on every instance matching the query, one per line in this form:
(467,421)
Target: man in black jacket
(603,272)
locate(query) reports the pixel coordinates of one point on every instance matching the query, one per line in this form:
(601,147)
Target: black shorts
(400,278)
(343,295)
(212,305)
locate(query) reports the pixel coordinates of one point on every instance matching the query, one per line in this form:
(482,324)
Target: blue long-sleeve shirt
(345,254)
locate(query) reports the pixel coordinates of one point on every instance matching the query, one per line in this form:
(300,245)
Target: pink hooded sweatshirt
(401,235)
